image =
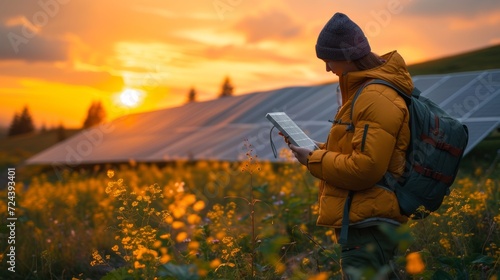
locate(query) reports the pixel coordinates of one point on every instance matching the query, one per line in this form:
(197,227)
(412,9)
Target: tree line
(227,89)
(22,122)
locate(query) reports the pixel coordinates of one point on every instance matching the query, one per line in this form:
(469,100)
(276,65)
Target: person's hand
(287,141)
(300,154)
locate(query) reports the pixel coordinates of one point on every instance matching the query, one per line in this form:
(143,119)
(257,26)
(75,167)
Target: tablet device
(290,129)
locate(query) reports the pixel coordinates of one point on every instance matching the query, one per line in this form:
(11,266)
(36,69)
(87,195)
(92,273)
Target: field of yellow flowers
(221,220)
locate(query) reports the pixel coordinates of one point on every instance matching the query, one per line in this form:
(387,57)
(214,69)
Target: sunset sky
(57,56)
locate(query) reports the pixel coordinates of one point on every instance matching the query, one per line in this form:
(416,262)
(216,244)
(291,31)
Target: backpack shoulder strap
(387,180)
(414,94)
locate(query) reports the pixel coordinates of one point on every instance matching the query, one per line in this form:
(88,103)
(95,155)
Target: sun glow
(131,97)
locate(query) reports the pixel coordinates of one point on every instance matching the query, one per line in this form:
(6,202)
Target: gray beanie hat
(342,39)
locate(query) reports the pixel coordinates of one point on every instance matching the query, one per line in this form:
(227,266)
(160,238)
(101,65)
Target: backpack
(436,147)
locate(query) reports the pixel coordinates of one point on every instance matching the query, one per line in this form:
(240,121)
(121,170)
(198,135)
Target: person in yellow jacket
(359,151)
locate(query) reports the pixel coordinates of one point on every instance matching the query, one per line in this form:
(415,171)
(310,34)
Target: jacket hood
(393,70)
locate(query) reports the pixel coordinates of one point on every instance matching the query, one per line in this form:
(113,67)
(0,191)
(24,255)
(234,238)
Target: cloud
(24,42)
(248,54)
(270,25)
(461,8)
(15,70)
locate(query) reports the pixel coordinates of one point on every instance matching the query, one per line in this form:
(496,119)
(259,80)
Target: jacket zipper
(365,132)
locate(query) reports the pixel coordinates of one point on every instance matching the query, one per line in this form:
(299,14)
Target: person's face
(339,67)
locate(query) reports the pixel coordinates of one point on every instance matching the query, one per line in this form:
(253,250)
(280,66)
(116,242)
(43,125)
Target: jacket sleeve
(377,123)
(321,146)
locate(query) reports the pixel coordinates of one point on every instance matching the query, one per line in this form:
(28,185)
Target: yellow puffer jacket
(356,160)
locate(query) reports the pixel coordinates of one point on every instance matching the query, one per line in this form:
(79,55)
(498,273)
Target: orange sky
(57,56)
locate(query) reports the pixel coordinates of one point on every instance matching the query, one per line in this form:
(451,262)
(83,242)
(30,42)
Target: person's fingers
(284,137)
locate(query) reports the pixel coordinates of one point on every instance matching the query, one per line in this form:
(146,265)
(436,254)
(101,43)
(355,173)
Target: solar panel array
(218,129)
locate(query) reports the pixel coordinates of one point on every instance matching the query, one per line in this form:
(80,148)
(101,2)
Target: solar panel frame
(291,130)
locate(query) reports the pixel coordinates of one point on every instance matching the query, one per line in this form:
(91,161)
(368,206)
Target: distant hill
(487,58)
(20,147)
(3,132)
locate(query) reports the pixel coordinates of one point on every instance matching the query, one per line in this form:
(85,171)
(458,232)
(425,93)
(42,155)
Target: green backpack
(434,153)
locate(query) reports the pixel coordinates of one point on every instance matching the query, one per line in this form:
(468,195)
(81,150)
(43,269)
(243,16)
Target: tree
(14,125)
(227,88)
(95,115)
(61,133)
(21,123)
(191,95)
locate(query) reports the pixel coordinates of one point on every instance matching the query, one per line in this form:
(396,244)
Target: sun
(131,97)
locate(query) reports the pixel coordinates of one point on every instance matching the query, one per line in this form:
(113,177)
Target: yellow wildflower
(179,212)
(169,219)
(164,259)
(165,236)
(125,240)
(215,263)
(194,245)
(189,199)
(138,265)
(181,236)
(319,276)
(445,243)
(177,225)
(234,252)
(279,268)
(194,219)
(199,205)
(414,263)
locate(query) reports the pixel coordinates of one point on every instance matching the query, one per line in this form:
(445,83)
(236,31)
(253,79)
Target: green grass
(487,58)
(485,155)
(33,142)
